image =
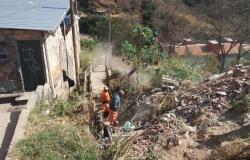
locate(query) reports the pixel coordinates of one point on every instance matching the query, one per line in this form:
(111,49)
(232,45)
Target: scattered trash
(128,126)
(186,113)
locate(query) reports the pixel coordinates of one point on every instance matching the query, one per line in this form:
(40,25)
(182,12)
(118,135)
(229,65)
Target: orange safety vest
(105,97)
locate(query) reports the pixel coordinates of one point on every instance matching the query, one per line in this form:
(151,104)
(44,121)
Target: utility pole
(109,16)
(72,8)
(129,12)
(110,27)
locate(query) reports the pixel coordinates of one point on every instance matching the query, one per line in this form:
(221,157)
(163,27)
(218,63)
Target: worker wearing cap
(114,107)
(105,101)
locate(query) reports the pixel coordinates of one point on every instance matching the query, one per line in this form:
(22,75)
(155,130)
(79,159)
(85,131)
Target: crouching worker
(105,101)
(114,107)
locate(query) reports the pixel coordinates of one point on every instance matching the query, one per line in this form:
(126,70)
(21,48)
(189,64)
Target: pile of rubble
(165,117)
(215,94)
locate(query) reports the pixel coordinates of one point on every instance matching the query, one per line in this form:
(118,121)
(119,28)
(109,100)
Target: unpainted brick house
(196,53)
(37,42)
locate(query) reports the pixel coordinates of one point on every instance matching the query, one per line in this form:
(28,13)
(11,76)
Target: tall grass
(56,143)
(54,132)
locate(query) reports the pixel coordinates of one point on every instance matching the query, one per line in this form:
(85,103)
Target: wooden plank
(170,82)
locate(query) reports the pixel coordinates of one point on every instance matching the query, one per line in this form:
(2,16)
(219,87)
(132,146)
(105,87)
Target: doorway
(31,64)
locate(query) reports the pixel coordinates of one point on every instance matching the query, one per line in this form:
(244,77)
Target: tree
(220,15)
(242,19)
(170,20)
(143,36)
(148,8)
(140,47)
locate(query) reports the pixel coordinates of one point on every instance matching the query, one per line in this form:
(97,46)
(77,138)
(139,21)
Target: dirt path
(98,75)
(102,54)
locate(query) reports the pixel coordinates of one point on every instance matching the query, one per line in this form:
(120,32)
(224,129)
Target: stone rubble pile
(213,97)
(216,93)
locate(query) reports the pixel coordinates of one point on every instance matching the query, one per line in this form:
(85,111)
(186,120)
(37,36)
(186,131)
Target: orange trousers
(112,117)
(105,107)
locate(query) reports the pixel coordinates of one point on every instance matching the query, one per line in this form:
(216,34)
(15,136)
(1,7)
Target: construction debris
(187,114)
(215,96)
(169,83)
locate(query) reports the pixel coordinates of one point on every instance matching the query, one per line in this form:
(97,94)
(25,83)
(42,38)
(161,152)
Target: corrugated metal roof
(44,15)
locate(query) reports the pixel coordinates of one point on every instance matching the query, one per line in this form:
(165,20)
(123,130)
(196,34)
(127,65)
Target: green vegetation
(95,26)
(120,148)
(211,64)
(86,56)
(85,59)
(55,132)
(128,50)
(148,8)
(57,142)
(142,48)
(88,44)
(177,68)
(56,107)
(241,106)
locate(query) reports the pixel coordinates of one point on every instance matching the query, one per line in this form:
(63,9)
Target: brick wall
(60,52)
(9,66)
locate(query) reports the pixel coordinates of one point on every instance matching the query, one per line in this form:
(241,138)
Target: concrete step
(99,68)
(22,100)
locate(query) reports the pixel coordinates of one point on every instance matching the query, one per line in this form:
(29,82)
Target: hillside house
(196,53)
(37,42)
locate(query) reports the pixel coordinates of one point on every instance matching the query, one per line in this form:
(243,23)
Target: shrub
(143,42)
(148,8)
(57,142)
(180,70)
(241,106)
(94,25)
(88,44)
(115,73)
(211,64)
(85,59)
(128,50)
(57,107)
(156,78)
(98,26)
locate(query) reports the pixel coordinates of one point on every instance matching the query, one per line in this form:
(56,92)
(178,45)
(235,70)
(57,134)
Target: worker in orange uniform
(105,101)
(114,107)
